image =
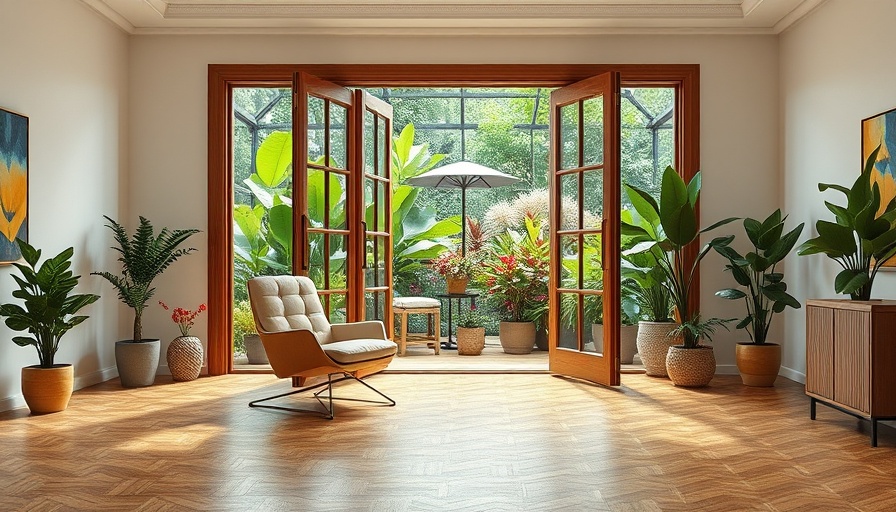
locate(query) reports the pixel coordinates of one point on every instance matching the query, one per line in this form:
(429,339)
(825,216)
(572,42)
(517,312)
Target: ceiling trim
(801,11)
(110,14)
(449,11)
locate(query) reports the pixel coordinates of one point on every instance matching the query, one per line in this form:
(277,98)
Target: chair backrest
(286,303)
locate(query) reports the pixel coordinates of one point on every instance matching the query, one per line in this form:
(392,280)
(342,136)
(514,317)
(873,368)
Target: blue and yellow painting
(880,130)
(13,184)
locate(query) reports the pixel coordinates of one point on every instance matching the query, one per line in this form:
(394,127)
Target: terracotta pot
(255,350)
(47,390)
(184,358)
(470,340)
(653,344)
(517,337)
(758,364)
(691,367)
(457,284)
(137,362)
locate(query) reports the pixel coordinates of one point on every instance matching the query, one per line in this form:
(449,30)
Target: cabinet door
(852,352)
(820,351)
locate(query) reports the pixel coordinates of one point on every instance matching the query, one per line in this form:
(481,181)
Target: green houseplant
(470,333)
(143,257)
(667,229)
(861,238)
(764,291)
(47,312)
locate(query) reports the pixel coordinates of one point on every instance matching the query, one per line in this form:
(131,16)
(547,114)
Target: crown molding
(798,14)
(110,14)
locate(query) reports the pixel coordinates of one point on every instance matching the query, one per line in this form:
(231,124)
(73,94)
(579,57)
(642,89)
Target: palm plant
(143,258)
(49,308)
(862,237)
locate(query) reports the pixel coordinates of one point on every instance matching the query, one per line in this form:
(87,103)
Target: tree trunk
(138,326)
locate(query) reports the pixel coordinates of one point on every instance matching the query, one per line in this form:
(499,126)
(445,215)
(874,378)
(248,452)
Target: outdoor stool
(432,308)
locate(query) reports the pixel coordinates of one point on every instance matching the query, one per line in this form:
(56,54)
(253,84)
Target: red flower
(184,318)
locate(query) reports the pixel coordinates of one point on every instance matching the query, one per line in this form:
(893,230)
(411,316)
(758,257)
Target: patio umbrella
(463,175)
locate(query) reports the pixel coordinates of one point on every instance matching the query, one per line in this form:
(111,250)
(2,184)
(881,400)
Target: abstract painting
(880,130)
(13,184)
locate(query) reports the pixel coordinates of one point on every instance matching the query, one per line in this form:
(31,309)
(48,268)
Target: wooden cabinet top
(854,305)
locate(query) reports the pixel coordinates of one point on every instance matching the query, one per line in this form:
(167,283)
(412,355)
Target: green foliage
(243,324)
(143,258)
(471,318)
(49,307)
(862,237)
(665,229)
(409,160)
(642,277)
(766,290)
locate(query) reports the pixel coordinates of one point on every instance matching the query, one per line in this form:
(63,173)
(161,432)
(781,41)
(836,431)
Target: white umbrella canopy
(463,175)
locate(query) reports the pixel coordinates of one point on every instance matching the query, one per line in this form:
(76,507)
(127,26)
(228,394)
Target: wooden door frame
(223,78)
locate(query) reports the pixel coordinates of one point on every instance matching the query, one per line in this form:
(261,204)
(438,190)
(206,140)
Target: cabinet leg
(811,408)
(874,432)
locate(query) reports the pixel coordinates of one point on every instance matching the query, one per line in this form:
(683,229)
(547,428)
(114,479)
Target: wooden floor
(453,442)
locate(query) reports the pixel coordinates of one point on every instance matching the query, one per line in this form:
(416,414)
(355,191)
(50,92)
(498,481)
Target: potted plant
(47,312)
(470,333)
(514,276)
(766,294)
(143,257)
(861,238)
(245,337)
(184,354)
(456,268)
(666,230)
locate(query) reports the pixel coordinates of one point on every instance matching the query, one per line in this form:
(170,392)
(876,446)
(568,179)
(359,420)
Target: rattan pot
(653,344)
(691,367)
(758,364)
(184,358)
(517,337)
(470,340)
(47,390)
(457,284)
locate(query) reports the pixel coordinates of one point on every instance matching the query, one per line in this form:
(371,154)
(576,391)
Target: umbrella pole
(463,220)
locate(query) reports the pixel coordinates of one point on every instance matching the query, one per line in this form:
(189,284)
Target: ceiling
(453,17)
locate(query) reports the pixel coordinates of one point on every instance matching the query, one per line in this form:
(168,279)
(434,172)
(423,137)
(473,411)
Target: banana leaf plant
(49,307)
(666,229)
(862,237)
(756,271)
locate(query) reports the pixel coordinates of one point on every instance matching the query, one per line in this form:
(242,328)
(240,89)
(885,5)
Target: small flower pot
(470,340)
(184,358)
(457,284)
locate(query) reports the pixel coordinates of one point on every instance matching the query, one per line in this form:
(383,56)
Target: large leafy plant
(49,307)
(143,257)
(861,238)
(642,278)
(667,230)
(756,271)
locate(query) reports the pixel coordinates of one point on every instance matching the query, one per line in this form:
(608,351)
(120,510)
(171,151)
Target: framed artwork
(13,184)
(880,130)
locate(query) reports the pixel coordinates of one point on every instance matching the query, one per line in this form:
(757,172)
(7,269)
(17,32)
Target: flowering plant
(184,318)
(454,265)
(516,278)
(470,319)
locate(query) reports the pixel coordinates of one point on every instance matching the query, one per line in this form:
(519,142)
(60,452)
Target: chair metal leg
(329,411)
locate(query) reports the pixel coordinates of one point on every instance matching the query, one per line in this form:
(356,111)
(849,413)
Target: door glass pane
(336,308)
(569,136)
(570,274)
(381,206)
(369,142)
(336,262)
(382,151)
(570,215)
(262,214)
(316,130)
(593,130)
(593,195)
(316,261)
(337,198)
(569,321)
(593,324)
(338,137)
(592,271)
(374,305)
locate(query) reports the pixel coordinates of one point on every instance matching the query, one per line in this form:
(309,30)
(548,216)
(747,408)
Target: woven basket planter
(184,358)
(457,284)
(691,367)
(653,345)
(470,340)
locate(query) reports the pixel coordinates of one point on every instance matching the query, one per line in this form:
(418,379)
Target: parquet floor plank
(453,442)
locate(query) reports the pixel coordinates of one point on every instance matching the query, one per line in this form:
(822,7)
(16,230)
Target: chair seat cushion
(356,351)
(415,302)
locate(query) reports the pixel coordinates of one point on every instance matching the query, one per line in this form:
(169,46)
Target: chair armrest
(293,352)
(371,329)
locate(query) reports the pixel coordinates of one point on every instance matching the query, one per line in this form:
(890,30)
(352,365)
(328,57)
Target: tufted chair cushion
(286,303)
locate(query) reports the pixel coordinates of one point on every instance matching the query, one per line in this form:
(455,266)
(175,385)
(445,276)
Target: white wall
(65,68)
(168,136)
(834,73)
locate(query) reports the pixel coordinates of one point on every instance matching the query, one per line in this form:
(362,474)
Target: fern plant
(143,257)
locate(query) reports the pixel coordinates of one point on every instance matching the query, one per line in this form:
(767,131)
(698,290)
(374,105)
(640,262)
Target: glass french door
(584,281)
(346,255)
